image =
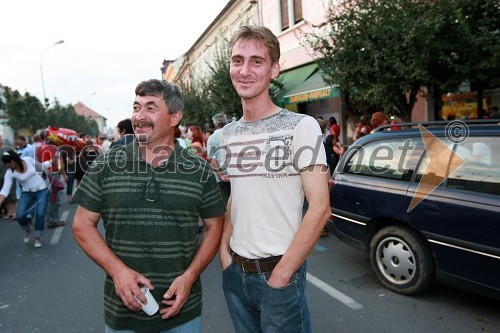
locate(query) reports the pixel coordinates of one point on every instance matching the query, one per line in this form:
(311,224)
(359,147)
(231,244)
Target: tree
(482,22)
(196,109)
(65,116)
(26,112)
(23,111)
(382,52)
(222,95)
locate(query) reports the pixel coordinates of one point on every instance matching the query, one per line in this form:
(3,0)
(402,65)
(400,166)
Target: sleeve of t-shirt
(7,183)
(212,204)
(211,147)
(89,193)
(308,144)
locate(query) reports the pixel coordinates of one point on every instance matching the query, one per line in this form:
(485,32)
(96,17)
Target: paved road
(58,289)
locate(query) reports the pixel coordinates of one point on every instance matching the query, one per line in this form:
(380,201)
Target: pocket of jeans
(293,281)
(225,269)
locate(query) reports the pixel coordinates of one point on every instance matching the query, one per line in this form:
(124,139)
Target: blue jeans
(193,326)
(34,202)
(255,306)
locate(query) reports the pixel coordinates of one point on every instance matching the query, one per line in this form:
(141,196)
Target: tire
(402,261)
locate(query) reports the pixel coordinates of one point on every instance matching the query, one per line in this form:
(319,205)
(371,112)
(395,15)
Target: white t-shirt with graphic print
(263,160)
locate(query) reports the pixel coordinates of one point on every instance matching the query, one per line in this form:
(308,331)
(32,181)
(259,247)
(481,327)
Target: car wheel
(402,261)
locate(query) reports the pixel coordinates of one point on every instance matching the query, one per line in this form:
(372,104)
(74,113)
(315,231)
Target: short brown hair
(260,34)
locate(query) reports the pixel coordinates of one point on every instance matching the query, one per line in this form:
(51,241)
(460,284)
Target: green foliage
(382,52)
(196,110)
(65,116)
(23,111)
(222,95)
(26,112)
(482,23)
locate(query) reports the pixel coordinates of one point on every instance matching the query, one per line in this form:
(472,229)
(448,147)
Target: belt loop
(257,265)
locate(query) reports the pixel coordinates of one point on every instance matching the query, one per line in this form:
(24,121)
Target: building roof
(83,110)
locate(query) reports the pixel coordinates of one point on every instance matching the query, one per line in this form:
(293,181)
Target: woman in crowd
(195,137)
(34,191)
(378,119)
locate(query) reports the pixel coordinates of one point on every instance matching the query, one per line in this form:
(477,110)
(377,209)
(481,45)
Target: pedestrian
(34,192)
(215,155)
(10,202)
(104,143)
(378,119)
(195,137)
(275,158)
(49,152)
(350,125)
(23,147)
(150,195)
(126,132)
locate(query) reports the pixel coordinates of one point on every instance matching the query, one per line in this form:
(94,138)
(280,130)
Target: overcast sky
(109,47)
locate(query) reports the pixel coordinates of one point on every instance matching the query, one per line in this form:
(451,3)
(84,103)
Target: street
(58,289)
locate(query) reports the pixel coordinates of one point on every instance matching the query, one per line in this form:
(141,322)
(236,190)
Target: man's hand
(277,281)
(176,296)
(127,285)
(225,258)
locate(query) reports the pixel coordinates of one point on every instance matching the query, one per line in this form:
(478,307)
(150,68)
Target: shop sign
(324,93)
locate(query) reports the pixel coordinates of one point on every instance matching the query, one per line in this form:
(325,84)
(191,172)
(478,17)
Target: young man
(126,132)
(274,157)
(150,195)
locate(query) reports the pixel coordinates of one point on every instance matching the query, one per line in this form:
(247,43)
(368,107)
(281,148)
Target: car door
(372,184)
(461,217)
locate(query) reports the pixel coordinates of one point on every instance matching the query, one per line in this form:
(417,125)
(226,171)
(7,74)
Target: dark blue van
(424,201)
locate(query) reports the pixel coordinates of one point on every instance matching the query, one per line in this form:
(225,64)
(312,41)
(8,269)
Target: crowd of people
(245,182)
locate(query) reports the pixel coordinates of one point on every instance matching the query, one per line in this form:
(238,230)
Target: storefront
(305,91)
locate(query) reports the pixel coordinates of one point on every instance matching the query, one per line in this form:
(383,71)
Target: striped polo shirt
(151,219)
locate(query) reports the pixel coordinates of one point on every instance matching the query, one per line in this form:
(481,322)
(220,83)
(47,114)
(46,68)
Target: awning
(295,77)
(311,89)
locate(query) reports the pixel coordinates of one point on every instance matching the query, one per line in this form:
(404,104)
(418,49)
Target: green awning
(295,77)
(311,89)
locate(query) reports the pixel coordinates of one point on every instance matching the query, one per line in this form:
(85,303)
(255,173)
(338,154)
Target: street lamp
(86,98)
(41,68)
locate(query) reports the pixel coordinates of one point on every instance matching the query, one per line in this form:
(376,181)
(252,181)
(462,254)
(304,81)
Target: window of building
(291,13)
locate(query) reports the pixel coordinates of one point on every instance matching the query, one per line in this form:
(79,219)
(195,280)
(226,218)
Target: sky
(109,47)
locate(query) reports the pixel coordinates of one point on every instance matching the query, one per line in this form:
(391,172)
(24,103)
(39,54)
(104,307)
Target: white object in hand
(151,306)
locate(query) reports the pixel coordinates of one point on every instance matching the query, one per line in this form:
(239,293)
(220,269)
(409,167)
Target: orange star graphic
(442,162)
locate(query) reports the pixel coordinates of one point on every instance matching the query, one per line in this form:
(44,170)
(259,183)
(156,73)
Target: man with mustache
(150,195)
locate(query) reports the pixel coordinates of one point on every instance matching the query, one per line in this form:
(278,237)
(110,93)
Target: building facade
(83,110)
(303,90)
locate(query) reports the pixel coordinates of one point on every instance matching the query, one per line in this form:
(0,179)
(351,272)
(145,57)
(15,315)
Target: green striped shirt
(151,220)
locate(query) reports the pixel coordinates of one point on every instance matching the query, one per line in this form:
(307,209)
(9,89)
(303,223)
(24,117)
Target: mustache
(143,123)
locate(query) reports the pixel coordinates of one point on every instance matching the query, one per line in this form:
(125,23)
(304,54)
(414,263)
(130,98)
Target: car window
(393,159)
(480,172)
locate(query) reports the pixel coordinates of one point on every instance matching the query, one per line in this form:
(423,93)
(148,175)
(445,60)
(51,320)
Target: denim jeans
(255,306)
(34,202)
(193,326)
